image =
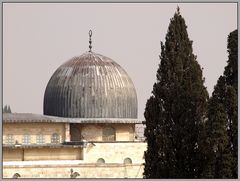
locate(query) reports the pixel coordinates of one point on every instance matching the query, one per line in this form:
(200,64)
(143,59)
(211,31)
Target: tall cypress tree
(9,109)
(230,103)
(221,126)
(231,70)
(176,110)
(219,157)
(151,156)
(5,110)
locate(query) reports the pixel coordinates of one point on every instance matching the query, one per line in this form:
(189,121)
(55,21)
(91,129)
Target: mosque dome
(90,86)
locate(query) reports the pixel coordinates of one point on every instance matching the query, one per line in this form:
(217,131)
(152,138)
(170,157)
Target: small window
(40,139)
(109,134)
(127,161)
(16,175)
(55,138)
(9,139)
(26,139)
(100,161)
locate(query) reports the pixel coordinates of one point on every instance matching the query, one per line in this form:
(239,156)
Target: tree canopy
(176,111)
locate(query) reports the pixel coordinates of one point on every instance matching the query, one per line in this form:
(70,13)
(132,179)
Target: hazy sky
(38,38)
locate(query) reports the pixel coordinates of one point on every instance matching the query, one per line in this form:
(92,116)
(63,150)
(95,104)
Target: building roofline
(38,118)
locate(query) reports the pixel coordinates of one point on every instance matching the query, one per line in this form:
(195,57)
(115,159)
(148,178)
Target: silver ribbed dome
(90,86)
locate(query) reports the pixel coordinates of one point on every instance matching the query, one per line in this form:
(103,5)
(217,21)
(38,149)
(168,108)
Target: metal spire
(90,41)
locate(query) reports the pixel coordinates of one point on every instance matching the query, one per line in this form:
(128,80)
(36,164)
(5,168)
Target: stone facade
(115,152)
(18,130)
(114,155)
(90,132)
(28,154)
(85,171)
(45,161)
(93,132)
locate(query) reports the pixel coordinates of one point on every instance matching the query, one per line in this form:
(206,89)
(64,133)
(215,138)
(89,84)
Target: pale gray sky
(38,38)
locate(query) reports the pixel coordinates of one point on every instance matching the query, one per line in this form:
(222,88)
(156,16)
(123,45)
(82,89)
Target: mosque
(88,126)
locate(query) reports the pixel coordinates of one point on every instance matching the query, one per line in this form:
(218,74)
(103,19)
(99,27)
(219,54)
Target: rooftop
(38,118)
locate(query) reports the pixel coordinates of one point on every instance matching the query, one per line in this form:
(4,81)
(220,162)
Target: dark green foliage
(7,109)
(231,74)
(219,158)
(175,112)
(231,70)
(152,154)
(221,127)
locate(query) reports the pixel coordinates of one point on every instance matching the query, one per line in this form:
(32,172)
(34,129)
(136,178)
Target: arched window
(40,139)
(100,161)
(127,161)
(55,138)
(26,139)
(108,134)
(16,175)
(9,139)
(75,132)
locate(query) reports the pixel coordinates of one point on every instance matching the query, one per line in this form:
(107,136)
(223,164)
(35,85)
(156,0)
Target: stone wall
(110,152)
(90,132)
(26,154)
(12,154)
(33,129)
(115,152)
(53,154)
(124,132)
(114,166)
(93,132)
(85,171)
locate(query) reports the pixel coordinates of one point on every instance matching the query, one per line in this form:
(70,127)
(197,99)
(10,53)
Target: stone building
(87,130)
